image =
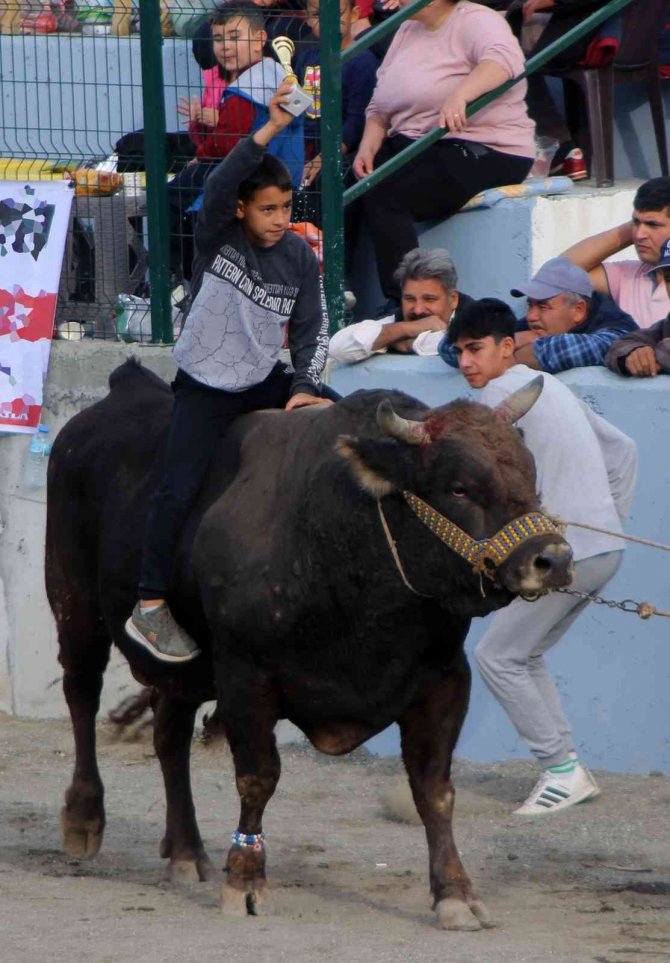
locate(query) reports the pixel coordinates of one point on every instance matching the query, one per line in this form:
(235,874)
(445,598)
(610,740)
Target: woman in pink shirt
(446,55)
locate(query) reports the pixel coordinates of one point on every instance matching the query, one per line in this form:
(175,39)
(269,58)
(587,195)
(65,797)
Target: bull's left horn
(411,432)
(520,402)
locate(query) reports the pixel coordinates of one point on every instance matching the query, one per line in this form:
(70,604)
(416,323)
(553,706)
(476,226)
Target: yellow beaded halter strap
(476,551)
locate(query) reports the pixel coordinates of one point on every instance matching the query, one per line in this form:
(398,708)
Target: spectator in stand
(205,109)
(363,21)
(429,302)
(565,14)
(283,18)
(644,354)
(445,56)
(358,82)
(239,36)
(567,324)
(640,287)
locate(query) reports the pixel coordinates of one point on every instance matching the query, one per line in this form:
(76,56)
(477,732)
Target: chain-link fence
(72,105)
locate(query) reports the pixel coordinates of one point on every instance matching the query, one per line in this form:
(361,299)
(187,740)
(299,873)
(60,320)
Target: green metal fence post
(331,158)
(151,42)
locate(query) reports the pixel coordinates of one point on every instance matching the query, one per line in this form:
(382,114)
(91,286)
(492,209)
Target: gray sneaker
(160,635)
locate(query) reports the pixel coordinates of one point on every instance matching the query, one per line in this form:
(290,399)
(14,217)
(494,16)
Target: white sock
(147,609)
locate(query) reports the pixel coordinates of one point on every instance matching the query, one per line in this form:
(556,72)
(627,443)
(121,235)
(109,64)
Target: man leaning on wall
(429,300)
(639,287)
(567,323)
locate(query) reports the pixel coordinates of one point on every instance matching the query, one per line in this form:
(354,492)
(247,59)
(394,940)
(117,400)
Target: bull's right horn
(520,402)
(411,432)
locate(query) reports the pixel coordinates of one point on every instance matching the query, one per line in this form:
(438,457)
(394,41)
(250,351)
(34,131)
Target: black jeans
(542,108)
(435,185)
(200,418)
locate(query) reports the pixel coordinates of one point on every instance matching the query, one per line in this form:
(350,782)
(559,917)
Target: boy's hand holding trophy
(299,101)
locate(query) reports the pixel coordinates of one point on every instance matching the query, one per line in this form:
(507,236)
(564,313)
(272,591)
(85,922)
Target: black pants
(200,417)
(434,185)
(541,105)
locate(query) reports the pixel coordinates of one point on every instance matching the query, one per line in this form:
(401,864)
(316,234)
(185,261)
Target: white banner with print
(34,219)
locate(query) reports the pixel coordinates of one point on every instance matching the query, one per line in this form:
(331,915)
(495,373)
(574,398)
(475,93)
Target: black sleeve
(219,201)
(308,329)
(360,84)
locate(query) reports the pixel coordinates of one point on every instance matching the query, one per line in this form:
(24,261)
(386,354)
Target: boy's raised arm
(219,202)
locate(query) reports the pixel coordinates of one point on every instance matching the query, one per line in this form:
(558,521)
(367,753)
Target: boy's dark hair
(653,195)
(271,172)
(488,317)
(240,8)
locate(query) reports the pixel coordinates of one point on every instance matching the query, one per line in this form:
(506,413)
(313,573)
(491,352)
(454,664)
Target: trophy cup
(299,101)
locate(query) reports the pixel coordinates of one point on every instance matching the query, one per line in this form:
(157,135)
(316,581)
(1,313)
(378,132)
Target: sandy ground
(592,883)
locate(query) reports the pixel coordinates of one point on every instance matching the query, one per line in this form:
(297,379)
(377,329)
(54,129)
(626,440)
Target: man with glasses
(567,325)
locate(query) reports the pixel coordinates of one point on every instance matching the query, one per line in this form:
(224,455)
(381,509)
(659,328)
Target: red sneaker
(573,166)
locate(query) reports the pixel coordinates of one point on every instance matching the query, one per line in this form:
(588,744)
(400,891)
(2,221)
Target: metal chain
(644,609)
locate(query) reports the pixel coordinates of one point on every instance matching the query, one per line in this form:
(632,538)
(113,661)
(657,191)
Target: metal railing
(67,99)
(335,198)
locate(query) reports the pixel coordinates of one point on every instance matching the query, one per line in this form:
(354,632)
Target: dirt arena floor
(590,884)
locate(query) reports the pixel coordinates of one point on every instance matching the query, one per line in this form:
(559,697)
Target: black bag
(179,150)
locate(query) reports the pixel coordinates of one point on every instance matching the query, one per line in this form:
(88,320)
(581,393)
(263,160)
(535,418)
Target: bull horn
(520,402)
(411,432)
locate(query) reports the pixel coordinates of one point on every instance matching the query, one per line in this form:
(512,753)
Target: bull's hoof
(453,914)
(82,837)
(233,901)
(188,872)
(189,869)
(480,910)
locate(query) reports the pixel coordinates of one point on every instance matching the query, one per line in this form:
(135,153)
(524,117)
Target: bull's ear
(366,464)
(520,402)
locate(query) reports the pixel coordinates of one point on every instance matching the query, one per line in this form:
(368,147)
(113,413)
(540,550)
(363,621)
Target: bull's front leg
(429,732)
(247,706)
(182,844)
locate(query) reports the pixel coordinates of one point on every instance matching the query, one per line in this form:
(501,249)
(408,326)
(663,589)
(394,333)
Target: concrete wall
(613,669)
(29,671)
(500,247)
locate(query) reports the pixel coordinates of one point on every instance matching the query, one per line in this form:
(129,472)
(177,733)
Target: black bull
(286,579)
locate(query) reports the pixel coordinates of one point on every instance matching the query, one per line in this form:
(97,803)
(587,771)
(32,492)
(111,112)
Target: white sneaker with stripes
(554,792)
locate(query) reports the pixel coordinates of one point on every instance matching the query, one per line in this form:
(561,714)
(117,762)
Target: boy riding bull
(251,280)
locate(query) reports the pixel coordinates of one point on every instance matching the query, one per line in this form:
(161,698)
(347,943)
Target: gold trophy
(299,101)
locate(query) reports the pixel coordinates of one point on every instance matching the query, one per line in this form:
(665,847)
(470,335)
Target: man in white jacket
(586,470)
(427,280)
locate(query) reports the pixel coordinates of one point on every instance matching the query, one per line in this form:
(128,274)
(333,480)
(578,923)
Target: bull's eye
(458,490)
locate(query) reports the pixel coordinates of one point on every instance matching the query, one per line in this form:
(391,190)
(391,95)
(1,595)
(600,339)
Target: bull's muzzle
(538,566)
(528,556)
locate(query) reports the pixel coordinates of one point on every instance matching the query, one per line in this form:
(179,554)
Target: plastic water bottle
(35,472)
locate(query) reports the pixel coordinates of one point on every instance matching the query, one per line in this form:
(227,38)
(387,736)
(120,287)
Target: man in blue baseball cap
(567,325)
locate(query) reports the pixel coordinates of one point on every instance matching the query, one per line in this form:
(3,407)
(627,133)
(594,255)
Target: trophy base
(298,103)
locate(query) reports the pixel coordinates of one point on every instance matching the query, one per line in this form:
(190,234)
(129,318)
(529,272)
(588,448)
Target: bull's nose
(553,565)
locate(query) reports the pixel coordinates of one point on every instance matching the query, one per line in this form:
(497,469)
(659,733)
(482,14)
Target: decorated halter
(496,549)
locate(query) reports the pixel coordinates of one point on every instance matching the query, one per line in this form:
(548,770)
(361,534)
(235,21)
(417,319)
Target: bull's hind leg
(84,651)
(182,844)
(247,706)
(429,732)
